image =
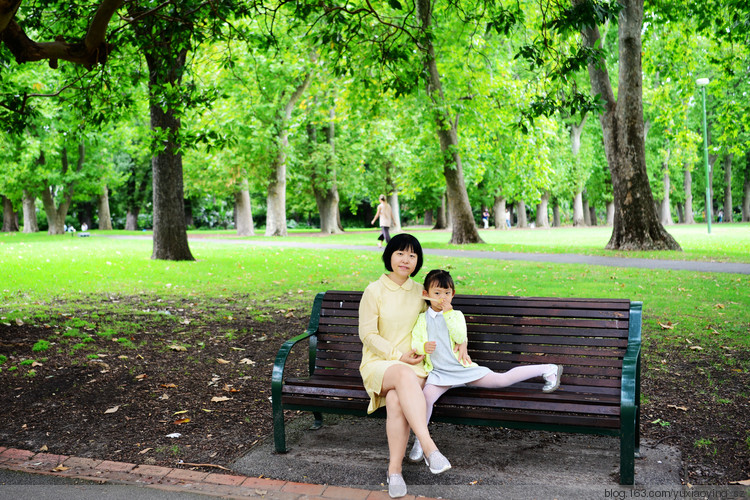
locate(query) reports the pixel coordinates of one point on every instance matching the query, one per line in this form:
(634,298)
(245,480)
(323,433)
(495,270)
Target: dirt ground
(126,397)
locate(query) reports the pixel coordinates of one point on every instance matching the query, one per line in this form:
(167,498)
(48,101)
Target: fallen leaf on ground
(174,435)
(44,448)
(113,409)
(247,361)
(180,412)
(719,306)
(181,421)
(60,468)
(746,482)
(141,376)
(169,386)
(218,399)
(177,347)
(668,325)
(145,450)
(677,407)
(222,361)
(696,347)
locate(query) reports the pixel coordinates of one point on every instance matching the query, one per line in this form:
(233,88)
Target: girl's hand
(412,358)
(446,303)
(463,355)
(429,347)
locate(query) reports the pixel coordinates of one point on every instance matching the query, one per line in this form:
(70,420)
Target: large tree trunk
(666,204)
(131,219)
(746,190)
(441,221)
(105,219)
(522,219)
(586,209)
(276,191)
(462,219)
(243,212)
(578,218)
(610,213)
(30,224)
(728,209)
(556,222)
(498,208)
(170,229)
(542,215)
(56,214)
(326,190)
(688,187)
(636,226)
(10,217)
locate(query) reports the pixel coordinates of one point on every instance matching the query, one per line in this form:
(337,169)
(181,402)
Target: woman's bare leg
(408,388)
(397,430)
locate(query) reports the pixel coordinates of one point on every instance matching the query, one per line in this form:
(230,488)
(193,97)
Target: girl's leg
(408,389)
(496,380)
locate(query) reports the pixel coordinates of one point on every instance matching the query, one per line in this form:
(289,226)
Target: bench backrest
(588,336)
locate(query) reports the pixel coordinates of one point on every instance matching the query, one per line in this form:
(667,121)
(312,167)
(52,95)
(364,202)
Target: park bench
(597,340)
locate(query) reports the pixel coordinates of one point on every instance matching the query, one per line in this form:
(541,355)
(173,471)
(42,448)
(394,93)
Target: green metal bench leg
(318,421)
(627,448)
(279,430)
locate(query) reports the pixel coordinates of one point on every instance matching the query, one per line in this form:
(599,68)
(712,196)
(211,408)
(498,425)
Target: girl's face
(403,263)
(440,297)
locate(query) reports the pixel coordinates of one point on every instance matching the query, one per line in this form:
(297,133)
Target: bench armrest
(277,376)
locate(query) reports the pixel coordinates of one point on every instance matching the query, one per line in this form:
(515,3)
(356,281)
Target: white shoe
(416,454)
(396,486)
(552,379)
(437,462)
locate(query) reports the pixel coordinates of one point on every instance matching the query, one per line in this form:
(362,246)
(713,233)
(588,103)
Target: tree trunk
(556,222)
(131,219)
(688,187)
(666,204)
(105,219)
(542,215)
(610,213)
(170,229)
(586,209)
(56,214)
(592,215)
(746,190)
(10,217)
(578,218)
(464,228)
(243,212)
(30,224)
(522,220)
(680,213)
(276,191)
(395,210)
(636,226)
(498,208)
(728,209)
(428,217)
(441,221)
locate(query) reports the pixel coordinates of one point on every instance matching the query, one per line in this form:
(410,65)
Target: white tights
(492,380)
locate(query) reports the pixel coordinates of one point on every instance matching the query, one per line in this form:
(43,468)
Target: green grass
(49,279)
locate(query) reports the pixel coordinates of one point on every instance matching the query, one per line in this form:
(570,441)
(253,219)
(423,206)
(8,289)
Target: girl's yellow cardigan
(456,323)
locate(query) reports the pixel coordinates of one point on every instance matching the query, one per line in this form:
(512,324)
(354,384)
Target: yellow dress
(387,313)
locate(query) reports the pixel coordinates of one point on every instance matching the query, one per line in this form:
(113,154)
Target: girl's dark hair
(400,242)
(439,278)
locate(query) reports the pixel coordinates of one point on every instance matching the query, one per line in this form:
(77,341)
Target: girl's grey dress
(446,370)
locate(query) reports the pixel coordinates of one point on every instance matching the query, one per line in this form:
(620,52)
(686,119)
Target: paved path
(592,260)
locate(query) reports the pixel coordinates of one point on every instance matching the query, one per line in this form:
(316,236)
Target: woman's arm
(377,213)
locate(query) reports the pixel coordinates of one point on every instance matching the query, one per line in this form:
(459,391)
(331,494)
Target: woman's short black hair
(439,278)
(403,241)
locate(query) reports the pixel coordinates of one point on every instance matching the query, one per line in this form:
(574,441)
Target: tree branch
(93,50)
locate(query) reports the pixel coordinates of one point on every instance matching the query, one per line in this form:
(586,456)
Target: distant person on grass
(440,336)
(392,371)
(386,219)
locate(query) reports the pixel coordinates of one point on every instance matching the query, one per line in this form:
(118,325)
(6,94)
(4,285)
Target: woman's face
(403,262)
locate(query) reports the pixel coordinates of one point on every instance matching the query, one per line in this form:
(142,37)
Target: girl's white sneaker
(552,379)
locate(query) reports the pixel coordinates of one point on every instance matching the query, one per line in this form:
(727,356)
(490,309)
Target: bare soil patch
(207,377)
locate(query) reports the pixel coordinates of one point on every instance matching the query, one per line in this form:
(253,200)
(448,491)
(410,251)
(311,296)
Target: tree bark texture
(610,213)
(56,214)
(522,218)
(170,229)
(105,218)
(326,189)
(498,208)
(665,209)
(636,226)
(556,222)
(276,191)
(10,217)
(542,211)
(30,224)
(462,219)
(688,187)
(578,218)
(243,212)
(131,219)
(728,209)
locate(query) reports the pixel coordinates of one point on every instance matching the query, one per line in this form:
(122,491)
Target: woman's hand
(463,355)
(411,357)
(429,347)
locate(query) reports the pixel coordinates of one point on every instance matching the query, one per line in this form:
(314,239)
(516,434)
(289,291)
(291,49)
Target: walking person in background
(486,218)
(385,214)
